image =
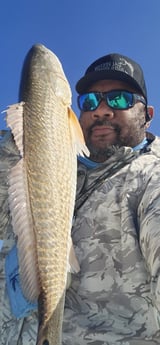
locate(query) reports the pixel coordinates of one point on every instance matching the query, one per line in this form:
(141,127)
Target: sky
(79,32)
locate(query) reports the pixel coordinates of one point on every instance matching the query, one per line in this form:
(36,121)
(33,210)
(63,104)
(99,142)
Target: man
(115,298)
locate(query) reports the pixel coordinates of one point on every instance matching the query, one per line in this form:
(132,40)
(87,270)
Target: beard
(130,136)
(101,154)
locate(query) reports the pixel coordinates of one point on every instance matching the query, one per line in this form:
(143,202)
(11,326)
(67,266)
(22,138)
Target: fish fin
(23,228)
(77,134)
(73,262)
(14,120)
(50,331)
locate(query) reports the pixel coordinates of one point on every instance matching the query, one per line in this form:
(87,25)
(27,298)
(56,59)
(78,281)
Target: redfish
(42,185)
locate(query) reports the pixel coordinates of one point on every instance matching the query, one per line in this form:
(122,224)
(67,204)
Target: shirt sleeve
(149,237)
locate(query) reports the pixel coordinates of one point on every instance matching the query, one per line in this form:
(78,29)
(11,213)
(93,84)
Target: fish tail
(51,332)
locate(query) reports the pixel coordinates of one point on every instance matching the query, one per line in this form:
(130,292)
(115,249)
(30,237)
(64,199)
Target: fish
(42,186)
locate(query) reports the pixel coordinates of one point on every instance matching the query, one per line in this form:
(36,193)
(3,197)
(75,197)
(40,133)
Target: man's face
(105,128)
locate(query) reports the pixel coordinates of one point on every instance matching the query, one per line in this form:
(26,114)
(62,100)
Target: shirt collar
(91,164)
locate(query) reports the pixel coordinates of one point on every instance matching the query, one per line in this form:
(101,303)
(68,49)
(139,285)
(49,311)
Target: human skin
(105,128)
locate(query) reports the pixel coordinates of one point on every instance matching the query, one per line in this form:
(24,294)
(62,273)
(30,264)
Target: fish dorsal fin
(23,228)
(14,119)
(77,134)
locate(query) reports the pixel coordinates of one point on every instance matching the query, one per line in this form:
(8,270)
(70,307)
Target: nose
(103,111)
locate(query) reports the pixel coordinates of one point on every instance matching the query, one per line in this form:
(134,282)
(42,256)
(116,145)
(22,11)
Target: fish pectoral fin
(14,119)
(73,262)
(77,134)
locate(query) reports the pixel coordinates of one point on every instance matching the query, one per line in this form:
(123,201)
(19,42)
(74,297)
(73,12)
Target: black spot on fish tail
(45,342)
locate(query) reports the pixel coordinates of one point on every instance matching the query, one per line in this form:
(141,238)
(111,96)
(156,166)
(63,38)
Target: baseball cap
(116,67)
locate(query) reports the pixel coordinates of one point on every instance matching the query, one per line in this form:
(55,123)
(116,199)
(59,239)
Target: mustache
(104,122)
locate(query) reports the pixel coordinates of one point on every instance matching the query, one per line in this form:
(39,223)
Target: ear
(150,111)
(150,114)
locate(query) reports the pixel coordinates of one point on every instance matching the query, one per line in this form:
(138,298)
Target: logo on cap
(122,66)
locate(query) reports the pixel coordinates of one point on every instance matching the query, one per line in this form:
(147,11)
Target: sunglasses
(115,99)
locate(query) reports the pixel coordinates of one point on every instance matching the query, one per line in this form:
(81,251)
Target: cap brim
(84,83)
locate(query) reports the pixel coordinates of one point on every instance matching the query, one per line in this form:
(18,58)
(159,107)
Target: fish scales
(50,169)
(51,173)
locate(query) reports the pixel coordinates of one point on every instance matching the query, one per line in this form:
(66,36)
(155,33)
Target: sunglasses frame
(103,96)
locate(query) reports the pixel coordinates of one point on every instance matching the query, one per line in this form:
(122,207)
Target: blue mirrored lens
(88,101)
(119,99)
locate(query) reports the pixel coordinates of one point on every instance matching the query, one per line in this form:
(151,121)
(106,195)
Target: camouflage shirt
(115,298)
(12,331)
